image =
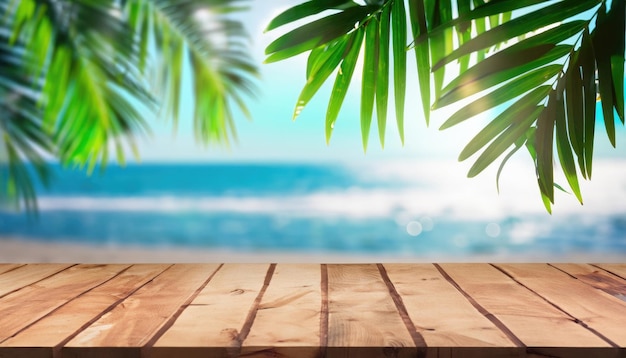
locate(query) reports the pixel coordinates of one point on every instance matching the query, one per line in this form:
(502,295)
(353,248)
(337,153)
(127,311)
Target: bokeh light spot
(492,230)
(414,228)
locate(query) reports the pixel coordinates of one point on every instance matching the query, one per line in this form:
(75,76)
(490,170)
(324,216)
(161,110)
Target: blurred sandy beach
(15,250)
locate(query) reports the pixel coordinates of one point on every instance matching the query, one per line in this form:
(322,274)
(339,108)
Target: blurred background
(282,194)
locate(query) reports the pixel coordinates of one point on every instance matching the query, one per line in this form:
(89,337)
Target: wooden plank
(21,308)
(527,316)
(288,318)
(132,324)
(596,277)
(616,269)
(26,275)
(227,303)
(363,320)
(600,311)
(8,267)
(61,325)
(443,316)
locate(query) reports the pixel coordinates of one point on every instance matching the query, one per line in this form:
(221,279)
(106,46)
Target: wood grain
(597,278)
(598,310)
(363,319)
(132,323)
(288,318)
(441,313)
(527,315)
(22,308)
(25,275)
(212,323)
(64,323)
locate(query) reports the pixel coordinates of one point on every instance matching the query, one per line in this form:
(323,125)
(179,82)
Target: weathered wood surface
(286,310)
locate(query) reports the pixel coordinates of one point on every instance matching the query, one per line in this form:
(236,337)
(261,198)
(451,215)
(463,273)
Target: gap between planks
(324,309)
(245,330)
(417,337)
(178,312)
(491,317)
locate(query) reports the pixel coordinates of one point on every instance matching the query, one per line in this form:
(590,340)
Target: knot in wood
(237,291)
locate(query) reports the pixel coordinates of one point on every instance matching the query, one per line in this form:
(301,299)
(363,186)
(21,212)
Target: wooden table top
(313,310)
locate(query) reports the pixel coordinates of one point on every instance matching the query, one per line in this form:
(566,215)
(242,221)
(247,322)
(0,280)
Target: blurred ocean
(388,210)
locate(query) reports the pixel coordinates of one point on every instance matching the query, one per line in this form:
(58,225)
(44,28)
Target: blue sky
(273,136)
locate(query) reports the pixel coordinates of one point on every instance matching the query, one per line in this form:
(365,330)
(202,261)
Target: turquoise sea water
(296,208)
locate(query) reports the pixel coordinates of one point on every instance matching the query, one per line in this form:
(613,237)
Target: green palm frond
(537,65)
(21,132)
(335,42)
(83,68)
(200,34)
(91,78)
(544,87)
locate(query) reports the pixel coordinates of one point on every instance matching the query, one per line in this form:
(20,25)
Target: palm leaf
(586,66)
(316,33)
(422,53)
(23,142)
(306,9)
(382,79)
(323,63)
(564,147)
(370,75)
(202,35)
(521,109)
(342,81)
(567,110)
(399,62)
